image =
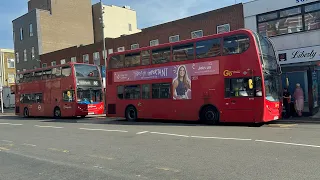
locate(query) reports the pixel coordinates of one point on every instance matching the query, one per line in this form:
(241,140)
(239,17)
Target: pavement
(102,148)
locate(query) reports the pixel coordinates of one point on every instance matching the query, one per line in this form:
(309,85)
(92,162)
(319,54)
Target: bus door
(38,108)
(239,100)
(68,103)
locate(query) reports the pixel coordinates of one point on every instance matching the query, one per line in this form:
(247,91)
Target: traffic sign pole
(1,94)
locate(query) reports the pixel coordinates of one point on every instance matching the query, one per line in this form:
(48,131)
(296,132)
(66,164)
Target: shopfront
(302,65)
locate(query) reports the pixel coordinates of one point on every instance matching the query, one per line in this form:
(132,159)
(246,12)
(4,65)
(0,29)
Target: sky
(149,12)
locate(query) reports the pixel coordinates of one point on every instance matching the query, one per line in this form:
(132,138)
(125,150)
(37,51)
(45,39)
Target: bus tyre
(57,113)
(210,115)
(131,114)
(25,112)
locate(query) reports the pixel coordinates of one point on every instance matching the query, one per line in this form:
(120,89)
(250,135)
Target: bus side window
(116,62)
(238,87)
(160,56)
(132,60)
(161,91)
(132,92)
(120,92)
(183,52)
(146,91)
(66,71)
(68,96)
(145,58)
(38,98)
(235,44)
(208,48)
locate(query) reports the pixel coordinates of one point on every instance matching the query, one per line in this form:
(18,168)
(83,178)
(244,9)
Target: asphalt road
(97,148)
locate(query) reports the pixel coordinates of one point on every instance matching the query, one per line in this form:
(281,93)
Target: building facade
(118,21)
(294,27)
(48,26)
(7,67)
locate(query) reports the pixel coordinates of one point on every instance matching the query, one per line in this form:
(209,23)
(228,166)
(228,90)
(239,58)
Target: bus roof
(243,30)
(50,67)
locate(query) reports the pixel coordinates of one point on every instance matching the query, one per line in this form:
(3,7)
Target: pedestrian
(287,102)
(299,99)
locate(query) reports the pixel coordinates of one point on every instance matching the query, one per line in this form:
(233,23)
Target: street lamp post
(104,54)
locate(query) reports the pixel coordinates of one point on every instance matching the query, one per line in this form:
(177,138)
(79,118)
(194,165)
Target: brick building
(208,23)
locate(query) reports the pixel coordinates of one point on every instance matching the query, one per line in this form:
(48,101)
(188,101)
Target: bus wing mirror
(250,83)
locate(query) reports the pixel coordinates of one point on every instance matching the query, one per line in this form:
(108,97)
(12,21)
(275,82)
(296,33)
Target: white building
(294,27)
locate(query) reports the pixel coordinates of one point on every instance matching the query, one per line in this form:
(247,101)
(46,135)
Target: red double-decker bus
(67,90)
(229,77)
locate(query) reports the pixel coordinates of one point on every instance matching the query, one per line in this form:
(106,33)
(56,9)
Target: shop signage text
(299,55)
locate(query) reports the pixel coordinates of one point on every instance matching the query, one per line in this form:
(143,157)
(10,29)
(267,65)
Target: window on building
(96,58)
(161,55)
(208,48)
(235,44)
(73,59)
(116,62)
(290,20)
(85,58)
(44,65)
(62,61)
(154,42)
(24,70)
(223,28)
(183,52)
(32,53)
(121,49)
(134,46)
(174,38)
(53,63)
(146,91)
(21,34)
(132,59)
(30,30)
(11,63)
(130,27)
(161,91)
(197,34)
(110,51)
(11,78)
(132,92)
(25,58)
(17,57)
(145,57)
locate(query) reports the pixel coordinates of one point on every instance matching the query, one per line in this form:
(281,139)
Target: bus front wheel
(131,114)
(210,115)
(57,113)
(26,112)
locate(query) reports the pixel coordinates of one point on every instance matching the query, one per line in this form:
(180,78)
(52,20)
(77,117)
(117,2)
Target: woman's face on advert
(182,72)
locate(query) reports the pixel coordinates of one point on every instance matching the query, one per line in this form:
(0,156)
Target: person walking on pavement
(299,99)
(287,102)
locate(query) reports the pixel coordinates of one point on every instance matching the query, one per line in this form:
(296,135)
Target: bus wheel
(26,112)
(131,114)
(57,113)
(210,115)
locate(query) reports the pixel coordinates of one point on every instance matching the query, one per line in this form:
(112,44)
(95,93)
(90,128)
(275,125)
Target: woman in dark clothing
(287,102)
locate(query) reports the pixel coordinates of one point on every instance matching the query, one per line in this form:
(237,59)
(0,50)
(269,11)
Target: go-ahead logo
(230,73)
